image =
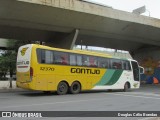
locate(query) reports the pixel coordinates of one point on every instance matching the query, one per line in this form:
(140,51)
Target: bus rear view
(24,69)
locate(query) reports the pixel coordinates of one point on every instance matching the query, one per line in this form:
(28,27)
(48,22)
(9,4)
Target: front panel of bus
(136,74)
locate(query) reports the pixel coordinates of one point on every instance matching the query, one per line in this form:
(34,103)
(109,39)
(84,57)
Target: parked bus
(48,69)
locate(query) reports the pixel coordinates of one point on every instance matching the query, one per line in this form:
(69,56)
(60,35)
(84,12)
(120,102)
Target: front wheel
(62,88)
(75,88)
(126,87)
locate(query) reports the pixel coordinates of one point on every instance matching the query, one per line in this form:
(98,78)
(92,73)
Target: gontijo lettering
(85,71)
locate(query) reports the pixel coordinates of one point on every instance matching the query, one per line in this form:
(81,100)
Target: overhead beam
(66,41)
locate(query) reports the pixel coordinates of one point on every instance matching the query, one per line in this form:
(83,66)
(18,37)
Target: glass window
(48,57)
(135,70)
(85,60)
(61,58)
(126,65)
(116,64)
(39,55)
(79,60)
(42,56)
(72,59)
(103,62)
(93,61)
(45,56)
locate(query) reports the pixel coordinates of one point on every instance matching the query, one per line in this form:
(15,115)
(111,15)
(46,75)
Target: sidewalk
(6,84)
(5,87)
(12,90)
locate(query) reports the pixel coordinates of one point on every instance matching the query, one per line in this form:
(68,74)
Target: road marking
(41,104)
(133,95)
(144,93)
(149,118)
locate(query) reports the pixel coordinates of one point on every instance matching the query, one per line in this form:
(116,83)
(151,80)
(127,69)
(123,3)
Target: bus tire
(75,88)
(62,88)
(126,87)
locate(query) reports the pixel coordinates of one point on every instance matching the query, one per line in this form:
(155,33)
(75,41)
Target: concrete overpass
(64,23)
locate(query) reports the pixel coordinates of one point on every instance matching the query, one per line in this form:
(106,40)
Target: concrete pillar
(149,59)
(69,41)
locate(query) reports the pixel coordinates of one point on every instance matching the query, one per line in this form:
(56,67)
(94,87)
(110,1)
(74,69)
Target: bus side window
(79,60)
(92,61)
(39,57)
(42,56)
(48,57)
(72,59)
(61,58)
(85,60)
(57,58)
(103,62)
(123,65)
(126,65)
(64,58)
(116,64)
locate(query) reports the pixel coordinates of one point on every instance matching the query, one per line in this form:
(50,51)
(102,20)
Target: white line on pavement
(144,93)
(40,104)
(123,94)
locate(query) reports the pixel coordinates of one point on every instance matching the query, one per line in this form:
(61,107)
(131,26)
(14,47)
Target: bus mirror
(141,69)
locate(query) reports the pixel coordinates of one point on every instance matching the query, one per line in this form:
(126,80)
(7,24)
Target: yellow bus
(48,69)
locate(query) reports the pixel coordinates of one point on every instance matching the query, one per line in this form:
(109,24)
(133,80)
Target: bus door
(135,68)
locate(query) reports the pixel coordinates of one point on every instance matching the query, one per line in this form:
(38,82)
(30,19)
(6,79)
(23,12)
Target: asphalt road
(147,98)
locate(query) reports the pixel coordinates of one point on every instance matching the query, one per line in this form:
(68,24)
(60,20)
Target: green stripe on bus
(115,77)
(106,77)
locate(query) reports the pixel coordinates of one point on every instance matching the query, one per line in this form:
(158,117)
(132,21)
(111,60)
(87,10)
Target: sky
(152,6)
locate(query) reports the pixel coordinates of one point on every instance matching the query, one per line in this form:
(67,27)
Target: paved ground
(145,99)
(7,84)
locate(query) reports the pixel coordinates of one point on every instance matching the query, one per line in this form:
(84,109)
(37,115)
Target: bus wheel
(75,88)
(126,87)
(62,88)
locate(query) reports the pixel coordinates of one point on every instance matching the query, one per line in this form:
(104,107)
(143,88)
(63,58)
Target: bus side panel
(116,79)
(49,76)
(39,81)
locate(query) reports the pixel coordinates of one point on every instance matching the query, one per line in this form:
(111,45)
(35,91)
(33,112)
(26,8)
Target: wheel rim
(62,88)
(126,87)
(75,87)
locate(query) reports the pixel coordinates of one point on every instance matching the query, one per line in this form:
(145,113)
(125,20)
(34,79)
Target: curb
(12,90)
